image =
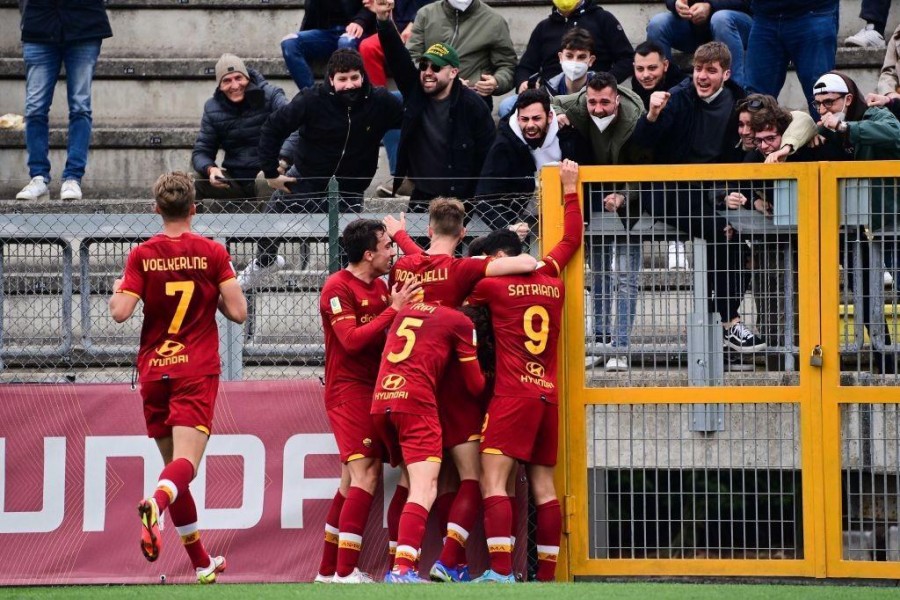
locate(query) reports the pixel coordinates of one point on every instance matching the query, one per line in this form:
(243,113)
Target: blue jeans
(731,27)
(42,66)
(391,141)
(312,44)
(507,106)
(809,41)
(619,279)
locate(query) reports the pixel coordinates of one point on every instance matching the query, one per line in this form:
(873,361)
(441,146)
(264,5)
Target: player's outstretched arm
(121,304)
(396,230)
(511,265)
(232,302)
(573,223)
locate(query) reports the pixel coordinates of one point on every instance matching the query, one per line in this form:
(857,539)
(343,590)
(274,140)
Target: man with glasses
(854,131)
(447,128)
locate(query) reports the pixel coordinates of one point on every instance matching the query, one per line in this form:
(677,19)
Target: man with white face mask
(611,46)
(576,56)
(480,36)
(607,115)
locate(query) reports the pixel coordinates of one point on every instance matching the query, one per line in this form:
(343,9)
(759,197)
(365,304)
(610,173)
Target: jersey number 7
(186,289)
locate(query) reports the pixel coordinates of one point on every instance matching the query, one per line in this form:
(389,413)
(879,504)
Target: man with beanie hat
(447,128)
(232,118)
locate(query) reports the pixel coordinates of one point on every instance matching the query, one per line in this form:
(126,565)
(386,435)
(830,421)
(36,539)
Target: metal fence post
(334,258)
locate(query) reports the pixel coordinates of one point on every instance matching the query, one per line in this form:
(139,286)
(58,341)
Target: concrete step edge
(155,136)
(272,67)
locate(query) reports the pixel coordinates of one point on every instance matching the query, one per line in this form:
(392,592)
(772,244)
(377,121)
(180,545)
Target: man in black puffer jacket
(232,118)
(340,122)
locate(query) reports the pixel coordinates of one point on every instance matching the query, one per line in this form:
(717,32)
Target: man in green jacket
(480,36)
(607,115)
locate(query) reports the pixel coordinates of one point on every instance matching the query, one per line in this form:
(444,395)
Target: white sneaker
(35,190)
(677,258)
(617,363)
(70,190)
(866,37)
(254,273)
(208,575)
(323,578)
(888,279)
(356,576)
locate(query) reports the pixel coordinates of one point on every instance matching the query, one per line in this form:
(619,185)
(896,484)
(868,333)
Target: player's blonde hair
(174,193)
(446,216)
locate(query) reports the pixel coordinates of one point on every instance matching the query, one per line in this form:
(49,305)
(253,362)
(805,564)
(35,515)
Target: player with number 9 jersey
(178,279)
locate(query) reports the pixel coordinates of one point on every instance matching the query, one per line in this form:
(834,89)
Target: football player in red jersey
(421,343)
(356,312)
(182,279)
(447,280)
(522,417)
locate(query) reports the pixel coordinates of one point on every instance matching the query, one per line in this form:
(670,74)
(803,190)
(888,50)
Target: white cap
(830,83)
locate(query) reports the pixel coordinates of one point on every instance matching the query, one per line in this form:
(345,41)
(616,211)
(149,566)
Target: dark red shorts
(409,438)
(461,419)
(354,430)
(524,428)
(185,402)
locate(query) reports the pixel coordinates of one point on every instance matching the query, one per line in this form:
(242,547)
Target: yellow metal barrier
(812,400)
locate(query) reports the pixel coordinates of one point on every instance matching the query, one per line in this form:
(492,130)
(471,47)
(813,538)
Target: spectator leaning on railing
(66,32)
(854,131)
(231,122)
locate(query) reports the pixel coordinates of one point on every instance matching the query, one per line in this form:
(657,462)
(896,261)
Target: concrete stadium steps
(210,27)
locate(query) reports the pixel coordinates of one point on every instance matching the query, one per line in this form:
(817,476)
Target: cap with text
(442,55)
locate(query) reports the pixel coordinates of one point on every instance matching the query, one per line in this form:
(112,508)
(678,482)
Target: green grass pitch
(574,591)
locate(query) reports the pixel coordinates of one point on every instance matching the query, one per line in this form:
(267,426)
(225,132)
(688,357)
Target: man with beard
(529,139)
(341,122)
(607,115)
(447,128)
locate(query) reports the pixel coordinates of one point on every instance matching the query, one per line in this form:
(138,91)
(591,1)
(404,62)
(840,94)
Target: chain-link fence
(57,271)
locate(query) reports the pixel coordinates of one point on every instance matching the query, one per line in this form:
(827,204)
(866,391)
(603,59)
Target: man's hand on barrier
(217,178)
(729,232)
(735,200)
(521,229)
(280,183)
(392,225)
(780,155)
(568,175)
(613,202)
(658,101)
(382,9)
(410,291)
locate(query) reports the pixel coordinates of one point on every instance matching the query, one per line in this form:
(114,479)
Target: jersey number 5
(406,330)
(186,289)
(537,337)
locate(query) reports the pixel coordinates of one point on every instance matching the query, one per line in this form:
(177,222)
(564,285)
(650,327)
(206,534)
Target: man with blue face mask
(480,36)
